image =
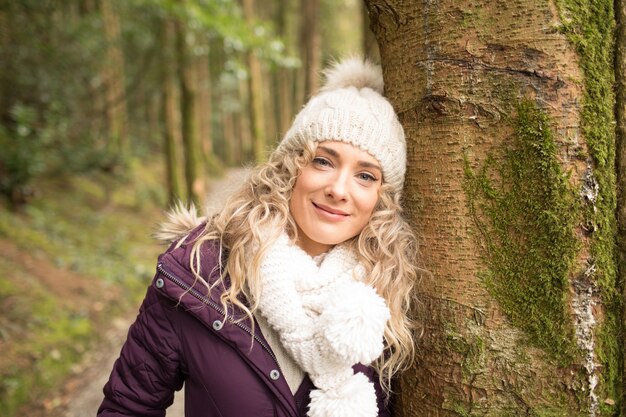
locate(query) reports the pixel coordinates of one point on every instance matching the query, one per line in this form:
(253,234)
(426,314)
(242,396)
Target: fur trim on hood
(180,220)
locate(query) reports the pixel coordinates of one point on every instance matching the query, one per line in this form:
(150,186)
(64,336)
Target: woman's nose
(338,187)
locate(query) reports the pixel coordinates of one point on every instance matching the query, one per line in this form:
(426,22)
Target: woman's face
(334,196)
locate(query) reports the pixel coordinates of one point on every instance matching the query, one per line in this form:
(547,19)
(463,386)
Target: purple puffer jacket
(180,337)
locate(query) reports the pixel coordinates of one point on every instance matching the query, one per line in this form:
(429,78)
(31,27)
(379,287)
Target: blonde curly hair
(386,247)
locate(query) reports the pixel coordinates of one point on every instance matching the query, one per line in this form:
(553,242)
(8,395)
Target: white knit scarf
(328,319)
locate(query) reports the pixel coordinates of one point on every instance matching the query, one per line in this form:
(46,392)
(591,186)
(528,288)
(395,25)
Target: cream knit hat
(350,108)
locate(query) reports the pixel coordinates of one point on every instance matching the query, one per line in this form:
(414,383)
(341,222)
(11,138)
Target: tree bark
(310,41)
(191,144)
(5,74)
(370,44)
(204,102)
(256,93)
(169,112)
(284,77)
(244,146)
(507,108)
(620,160)
(204,116)
(114,80)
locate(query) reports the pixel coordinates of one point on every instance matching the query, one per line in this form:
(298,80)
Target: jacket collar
(175,281)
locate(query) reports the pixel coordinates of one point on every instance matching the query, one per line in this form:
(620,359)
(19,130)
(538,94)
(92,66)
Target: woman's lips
(330,213)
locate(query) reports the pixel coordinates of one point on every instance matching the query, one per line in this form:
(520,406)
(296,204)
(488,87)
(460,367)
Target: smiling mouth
(330,211)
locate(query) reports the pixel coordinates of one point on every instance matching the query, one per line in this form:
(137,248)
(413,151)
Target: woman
(292,300)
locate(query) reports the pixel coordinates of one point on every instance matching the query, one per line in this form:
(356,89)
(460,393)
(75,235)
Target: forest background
(109,112)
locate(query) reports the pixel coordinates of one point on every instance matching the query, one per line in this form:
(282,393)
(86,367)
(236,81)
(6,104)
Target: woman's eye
(323,162)
(364,176)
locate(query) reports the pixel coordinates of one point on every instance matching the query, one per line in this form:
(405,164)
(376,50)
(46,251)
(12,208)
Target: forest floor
(73,271)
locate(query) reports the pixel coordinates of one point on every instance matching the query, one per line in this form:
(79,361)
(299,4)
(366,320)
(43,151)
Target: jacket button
(274,374)
(217,325)
(159,283)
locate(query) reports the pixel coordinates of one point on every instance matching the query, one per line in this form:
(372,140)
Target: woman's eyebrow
(330,151)
(364,164)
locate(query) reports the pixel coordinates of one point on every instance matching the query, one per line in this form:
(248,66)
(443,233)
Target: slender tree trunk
(508,111)
(620,159)
(310,41)
(191,143)
(114,79)
(370,44)
(256,93)
(284,99)
(216,67)
(205,114)
(98,122)
(270,104)
(243,127)
(284,80)
(230,139)
(7,70)
(204,102)
(169,109)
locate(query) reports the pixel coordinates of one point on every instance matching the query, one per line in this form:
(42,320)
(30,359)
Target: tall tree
(370,45)
(169,111)
(310,41)
(190,129)
(256,92)
(114,79)
(284,77)
(508,111)
(5,79)
(244,146)
(204,111)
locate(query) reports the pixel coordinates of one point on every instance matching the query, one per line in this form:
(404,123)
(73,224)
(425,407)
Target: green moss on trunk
(526,210)
(590,27)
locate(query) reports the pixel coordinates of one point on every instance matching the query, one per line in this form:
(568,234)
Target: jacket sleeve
(147,372)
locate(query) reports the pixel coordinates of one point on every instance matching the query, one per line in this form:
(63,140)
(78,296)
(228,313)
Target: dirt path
(86,388)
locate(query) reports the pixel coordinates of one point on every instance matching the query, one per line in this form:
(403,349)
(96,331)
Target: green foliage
(54,338)
(224,19)
(99,230)
(53,85)
(526,211)
(21,158)
(51,68)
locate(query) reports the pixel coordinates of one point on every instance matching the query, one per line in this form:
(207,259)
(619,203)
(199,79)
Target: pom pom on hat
(350,108)
(354,72)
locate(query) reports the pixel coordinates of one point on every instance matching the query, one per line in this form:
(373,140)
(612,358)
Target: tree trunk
(204,116)
(256,94)
(204,102)
(244,147)
(191,144)
(230,140)
(285,100)
(114,80)
(284,79)
(508,111)
(310,41)
(620,160)
(219,97)
(169,109)
(370,45)
(7,70)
